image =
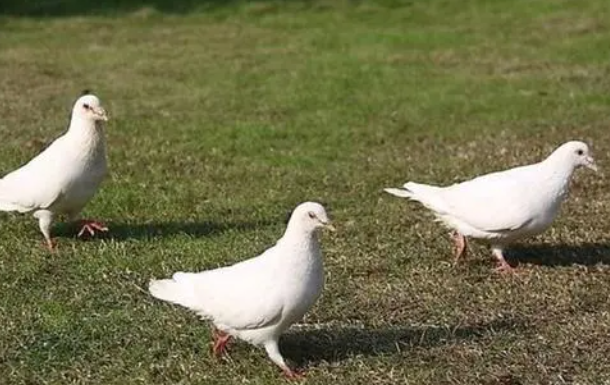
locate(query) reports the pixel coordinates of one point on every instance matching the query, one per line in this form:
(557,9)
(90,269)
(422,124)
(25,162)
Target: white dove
(65,176)
(257,299)
(503,206)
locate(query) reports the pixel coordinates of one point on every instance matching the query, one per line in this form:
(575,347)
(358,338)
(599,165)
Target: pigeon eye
(580,152)
(312,215)
(86,106)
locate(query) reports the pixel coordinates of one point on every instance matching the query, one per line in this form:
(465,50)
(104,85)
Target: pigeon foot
(90,227)
(293,375)
(504,268)
(221,340)
(50,244)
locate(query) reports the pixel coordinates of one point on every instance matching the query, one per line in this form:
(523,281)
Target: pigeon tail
(423,193)
(411,190)
(177,290)
(417,190)
(399,192)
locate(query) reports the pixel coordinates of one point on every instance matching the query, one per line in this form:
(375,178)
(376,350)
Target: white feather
(66,175)
(257,299)
(506,205)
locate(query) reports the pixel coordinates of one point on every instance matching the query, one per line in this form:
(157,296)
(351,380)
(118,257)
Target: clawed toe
(220,343)
(90,227)
(294,375)
(504,268)
(50,244)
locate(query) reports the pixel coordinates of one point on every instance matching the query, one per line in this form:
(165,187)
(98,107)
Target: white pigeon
(503,206)
(258,299)
(65,176)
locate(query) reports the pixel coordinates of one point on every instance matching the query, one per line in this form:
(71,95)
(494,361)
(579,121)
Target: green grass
(224,117)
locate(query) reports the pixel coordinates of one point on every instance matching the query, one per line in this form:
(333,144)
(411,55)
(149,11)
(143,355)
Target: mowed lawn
(225,116)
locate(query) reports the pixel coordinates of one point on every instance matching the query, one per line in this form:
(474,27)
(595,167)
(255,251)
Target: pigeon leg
(45,219)
(221,339)
(50,244)
(90,227)
(274,354)
(503,266)
(461,246)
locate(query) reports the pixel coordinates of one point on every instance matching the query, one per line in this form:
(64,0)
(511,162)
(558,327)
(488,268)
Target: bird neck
(557,163)
(300,236)
(87,135)
(559,172)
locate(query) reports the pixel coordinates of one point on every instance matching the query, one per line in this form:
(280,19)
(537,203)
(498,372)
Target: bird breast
(303,282)
(83,172)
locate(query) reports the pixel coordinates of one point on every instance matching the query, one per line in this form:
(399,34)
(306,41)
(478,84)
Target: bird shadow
(587,254)
(119,231)
(333,344)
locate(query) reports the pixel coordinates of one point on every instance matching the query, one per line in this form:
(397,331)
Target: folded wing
(242,296)
(498,202)
(33,186)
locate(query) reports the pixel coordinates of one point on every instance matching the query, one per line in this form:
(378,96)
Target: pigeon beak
(101,113)
(590,163)
(329,227)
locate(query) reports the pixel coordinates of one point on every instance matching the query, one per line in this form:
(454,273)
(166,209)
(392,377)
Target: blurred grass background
(225,115)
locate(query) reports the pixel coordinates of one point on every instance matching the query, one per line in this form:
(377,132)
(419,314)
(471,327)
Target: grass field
(224,116)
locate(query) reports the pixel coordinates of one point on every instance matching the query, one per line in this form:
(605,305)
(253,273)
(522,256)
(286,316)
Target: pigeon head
(576,153)
(88,107)
(310,216)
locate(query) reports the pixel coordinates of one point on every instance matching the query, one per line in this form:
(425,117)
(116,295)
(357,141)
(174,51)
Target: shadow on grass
(306,347)
(65,8)
(587,254)
(126,231)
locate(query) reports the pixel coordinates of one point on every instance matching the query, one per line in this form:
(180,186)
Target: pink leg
(221,340)
(503,266)
(461,246)
(50,244)
(273,351)
(90,227)
(294,375)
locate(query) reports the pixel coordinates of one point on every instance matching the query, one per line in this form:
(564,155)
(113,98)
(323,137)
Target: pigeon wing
(242,296)
(497,202)
(33,186)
